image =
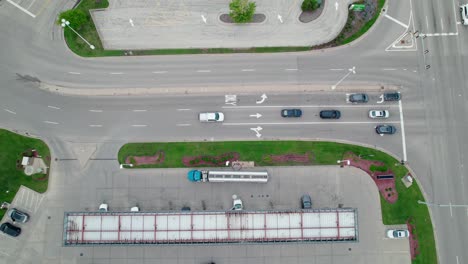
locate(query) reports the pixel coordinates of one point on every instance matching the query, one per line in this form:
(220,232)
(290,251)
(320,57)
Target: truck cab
(237,205)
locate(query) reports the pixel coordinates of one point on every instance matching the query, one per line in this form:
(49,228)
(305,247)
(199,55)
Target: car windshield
(217,116)
(17,215)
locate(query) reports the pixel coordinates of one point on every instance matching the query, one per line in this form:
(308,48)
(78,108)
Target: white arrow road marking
(203,18)
(131,22)
(280,18)
(336,6)
(264,97)
(9,111)
(256,130)
(381,99)
(257,115)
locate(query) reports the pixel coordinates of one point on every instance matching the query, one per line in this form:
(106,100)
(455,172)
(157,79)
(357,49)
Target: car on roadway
(385,129)
(211,117)
(10,229)
(359,98)
(397,233)
(291,113)
(330,114)
(18,216)
(394,96)
(464,14)
(306,202)
(379,114)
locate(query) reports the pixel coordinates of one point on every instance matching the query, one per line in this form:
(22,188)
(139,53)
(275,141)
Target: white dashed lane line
(95,111)
(50,122)
(184,109)
(76,73)
(159,72)
(336,69)
(95,125)
(248,70)
(204,71)
(183,124)
(139,110)
(139,125)
(9,111)
(116,73)
(53,107)
(290,69)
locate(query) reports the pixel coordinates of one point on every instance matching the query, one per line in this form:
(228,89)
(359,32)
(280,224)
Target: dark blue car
(291,113)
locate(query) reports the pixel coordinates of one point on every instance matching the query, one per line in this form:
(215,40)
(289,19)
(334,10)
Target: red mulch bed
(386,187)
(414,245)
(287,158)
(205,160)
(142,160)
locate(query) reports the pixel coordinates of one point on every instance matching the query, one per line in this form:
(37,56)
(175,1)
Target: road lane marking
(204,71)
(53,107)
(50,122)
(427,23)
(402,130)
(312,123)
(389,69)
(290,69)
(336,69)
(309,106)
(184,109)
(160,72)
(95,111)
(139,125)
(21,8)
(396,21)
(116,73)
(77,73)
(183,124)
(95,125)
(9,111)
(451,211)
(248,70)
(139,110)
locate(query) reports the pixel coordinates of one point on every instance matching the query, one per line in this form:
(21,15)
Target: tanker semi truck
(227,176)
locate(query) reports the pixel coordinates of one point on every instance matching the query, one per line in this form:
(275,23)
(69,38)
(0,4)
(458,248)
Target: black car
(291,113)
(385,129)
(330,114)
(10,229)
(395,96)
(359,98)
(18,216)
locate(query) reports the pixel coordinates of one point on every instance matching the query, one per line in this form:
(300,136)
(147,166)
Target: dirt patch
(257,18)
(414,245)
(309,16)
(157,158)
(386,186)
(206,160)
(306,158)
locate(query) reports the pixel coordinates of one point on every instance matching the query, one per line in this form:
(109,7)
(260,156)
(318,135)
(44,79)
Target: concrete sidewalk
(164,24)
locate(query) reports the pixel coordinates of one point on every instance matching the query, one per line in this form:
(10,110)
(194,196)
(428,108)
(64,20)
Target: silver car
(18,216)
(379,114)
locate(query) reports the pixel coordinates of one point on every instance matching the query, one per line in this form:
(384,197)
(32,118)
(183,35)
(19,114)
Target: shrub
(242,11)
(309,5)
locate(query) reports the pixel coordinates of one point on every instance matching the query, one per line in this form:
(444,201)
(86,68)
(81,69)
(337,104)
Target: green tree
(309,5)
(76,17)
(242,11)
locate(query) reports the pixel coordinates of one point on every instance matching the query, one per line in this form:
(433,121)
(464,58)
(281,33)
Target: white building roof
(210,227)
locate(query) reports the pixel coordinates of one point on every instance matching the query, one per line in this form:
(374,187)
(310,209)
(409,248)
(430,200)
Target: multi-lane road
(431,78)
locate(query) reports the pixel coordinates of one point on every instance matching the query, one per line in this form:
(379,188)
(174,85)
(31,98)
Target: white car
(237,205)
(104,207)
(397,233)
(464,14)
(379,114)
(211,117)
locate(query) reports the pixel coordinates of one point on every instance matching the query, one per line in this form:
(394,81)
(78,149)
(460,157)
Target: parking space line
(311,123)
(402,124)
(21,8)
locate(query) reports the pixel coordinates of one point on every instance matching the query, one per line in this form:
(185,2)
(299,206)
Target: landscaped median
(13,148)
(356,26)
(402,210)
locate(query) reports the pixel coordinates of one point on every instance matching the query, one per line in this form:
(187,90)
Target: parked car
(394,96)
(464,14)
(306,202)
(10,229)
(18,216)
(237,205)
(379,114)
(330,114)
(397,233)
(385,129)
(291,113)
(358,98)
(211,117)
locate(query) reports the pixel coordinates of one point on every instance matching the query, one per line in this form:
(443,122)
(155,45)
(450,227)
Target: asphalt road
(434,99)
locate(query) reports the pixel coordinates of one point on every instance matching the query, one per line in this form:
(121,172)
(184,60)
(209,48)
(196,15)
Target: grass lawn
(11,147)
(323,153)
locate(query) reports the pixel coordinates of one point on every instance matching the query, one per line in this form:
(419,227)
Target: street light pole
(66,23)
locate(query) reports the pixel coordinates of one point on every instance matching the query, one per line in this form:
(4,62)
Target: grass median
(323,153)
(11,148)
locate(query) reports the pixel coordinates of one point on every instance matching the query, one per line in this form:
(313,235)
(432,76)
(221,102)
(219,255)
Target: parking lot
(169,189)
